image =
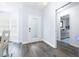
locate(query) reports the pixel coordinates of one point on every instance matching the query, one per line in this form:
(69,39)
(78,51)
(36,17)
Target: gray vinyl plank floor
(37,49)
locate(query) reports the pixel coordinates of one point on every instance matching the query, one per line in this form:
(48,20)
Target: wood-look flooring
(38,49)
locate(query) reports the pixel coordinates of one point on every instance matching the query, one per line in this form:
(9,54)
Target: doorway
(64,27)
(35,28)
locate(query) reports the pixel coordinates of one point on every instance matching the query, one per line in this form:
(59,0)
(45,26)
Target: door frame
(30,32)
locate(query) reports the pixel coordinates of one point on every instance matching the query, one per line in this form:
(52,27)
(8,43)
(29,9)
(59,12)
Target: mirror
(65,26)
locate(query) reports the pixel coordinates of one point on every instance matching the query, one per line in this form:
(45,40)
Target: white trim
(74,45)
(40,40)
(31,41)
(37,41)
(49,43)
(14,41)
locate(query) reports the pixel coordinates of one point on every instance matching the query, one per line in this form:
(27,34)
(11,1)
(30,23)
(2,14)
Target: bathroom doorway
(64,27)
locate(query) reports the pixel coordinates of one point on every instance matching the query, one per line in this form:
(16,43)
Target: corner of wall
(50,44)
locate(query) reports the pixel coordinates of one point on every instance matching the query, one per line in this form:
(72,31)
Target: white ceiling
(34,5)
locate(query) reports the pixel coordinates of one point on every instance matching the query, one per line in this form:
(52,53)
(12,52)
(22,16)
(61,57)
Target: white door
(34,28)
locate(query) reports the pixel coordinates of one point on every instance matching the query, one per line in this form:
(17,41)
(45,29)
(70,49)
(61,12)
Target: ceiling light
(45,3)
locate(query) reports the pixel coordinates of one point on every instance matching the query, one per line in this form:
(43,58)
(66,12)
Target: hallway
(35,29)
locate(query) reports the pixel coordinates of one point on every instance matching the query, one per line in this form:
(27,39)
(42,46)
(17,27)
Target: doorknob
(29,29)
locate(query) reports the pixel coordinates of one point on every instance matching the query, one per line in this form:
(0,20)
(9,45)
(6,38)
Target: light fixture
(45,3)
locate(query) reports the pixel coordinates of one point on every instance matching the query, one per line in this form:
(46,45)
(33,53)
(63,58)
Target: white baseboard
(49,43)
(31,42)
(37,41)
(14,41)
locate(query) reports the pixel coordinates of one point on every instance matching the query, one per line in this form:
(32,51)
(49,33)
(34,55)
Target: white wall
(14,32)
(18,19)
(25,12)
(11,11)
(49,23)
(74,22)
(4,22)
(14,21)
